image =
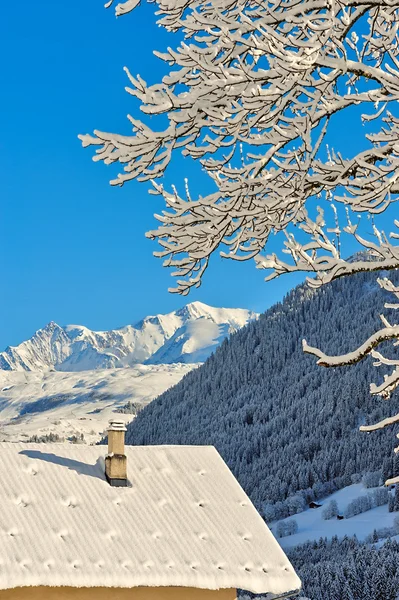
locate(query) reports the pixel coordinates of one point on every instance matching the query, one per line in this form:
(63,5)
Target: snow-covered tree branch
(253,93)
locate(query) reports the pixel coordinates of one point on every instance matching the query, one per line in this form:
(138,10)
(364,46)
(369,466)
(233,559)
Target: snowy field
(311,525)
(68,404)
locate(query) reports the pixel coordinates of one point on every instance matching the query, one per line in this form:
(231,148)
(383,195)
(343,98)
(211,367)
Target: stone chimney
(116,461)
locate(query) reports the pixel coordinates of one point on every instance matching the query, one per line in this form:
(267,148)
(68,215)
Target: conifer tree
(347,593)
(379,583)
(396,499)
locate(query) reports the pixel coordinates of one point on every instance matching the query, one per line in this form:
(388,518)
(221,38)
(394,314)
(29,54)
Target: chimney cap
(116,425)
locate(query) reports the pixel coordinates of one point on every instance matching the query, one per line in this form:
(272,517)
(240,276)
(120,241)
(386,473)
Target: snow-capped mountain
(187,335)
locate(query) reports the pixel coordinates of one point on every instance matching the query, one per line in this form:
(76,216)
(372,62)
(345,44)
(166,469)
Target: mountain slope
(187,335)
(284,425)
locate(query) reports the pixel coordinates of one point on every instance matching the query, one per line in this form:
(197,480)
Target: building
(150,522)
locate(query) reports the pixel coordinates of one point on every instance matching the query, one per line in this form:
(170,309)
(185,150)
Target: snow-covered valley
(71,404)
(312,526)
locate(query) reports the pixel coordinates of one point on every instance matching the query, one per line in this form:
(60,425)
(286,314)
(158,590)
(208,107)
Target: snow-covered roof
(185,521)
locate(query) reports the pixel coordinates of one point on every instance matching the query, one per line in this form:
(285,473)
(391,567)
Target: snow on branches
(124,7)
(253,92)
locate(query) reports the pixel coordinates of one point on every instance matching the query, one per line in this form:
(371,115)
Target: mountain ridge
(187,335)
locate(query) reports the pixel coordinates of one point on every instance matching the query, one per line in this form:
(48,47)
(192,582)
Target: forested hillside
(344,570)
(347,570)
(283,424)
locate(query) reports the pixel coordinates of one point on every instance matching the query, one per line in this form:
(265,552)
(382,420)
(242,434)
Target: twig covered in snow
(251,94)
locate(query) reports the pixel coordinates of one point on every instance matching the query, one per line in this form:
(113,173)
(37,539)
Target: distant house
(150,522)
(314,505)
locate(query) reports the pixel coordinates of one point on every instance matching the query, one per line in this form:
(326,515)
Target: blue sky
(74,249)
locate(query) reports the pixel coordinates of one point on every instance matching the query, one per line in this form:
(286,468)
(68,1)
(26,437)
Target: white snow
(185,521)
(67,404)
(311,525)
(193,342)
